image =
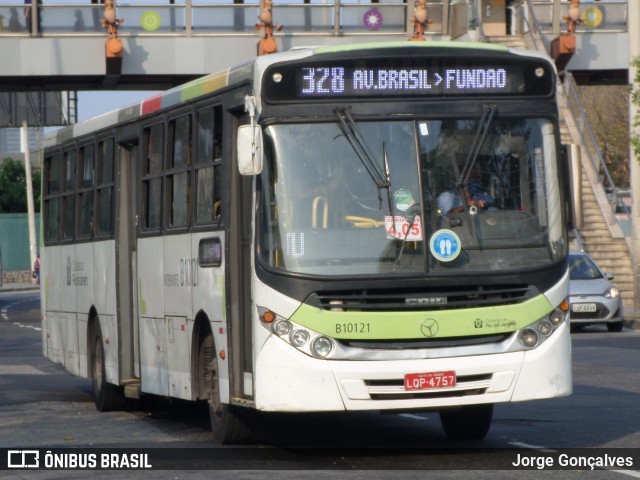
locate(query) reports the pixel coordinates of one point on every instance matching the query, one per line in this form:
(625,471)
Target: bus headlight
(322,346)
(538,332)
(545,327)
(282,327)
(529,337)
(299,337)
(556,317)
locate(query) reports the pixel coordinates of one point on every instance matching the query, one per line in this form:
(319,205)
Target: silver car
(594,299)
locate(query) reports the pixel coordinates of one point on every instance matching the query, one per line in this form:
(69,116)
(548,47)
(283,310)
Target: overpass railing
(223,17)
(596,16)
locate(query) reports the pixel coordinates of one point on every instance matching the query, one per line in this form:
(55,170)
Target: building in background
(10,144)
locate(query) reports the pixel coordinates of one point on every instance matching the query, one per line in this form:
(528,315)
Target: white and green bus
(366,227)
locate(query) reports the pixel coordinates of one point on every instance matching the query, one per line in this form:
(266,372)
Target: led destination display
(412,77)
(401,81)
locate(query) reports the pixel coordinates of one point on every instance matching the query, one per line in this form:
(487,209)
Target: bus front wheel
(470,422)
(229,423)
(108,397)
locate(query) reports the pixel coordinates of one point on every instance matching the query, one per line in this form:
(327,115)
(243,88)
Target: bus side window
(105,187)
(52,175)
(69,194)
(209,166)
(152,177)
(86,170)
(178,176)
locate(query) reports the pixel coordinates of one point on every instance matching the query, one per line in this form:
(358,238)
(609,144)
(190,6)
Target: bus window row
(180,181)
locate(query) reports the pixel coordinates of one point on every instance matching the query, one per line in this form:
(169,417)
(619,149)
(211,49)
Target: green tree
(13,189)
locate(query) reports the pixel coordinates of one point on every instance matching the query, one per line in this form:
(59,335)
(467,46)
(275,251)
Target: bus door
(126,267)
(238,271)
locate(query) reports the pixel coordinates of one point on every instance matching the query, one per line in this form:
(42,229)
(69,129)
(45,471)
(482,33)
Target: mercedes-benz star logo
(429,327)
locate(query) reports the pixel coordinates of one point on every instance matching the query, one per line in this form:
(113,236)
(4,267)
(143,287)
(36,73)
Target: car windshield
(582,267)
(378,197)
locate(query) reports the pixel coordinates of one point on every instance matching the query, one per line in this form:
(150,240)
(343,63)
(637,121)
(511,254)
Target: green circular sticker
(404,200)
(150,20)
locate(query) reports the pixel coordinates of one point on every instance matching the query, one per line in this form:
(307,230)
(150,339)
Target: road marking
(410,415)
(629,473)
(18,324)
(5,316)
(531,447)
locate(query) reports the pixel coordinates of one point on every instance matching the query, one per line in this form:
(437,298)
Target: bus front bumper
(287,380)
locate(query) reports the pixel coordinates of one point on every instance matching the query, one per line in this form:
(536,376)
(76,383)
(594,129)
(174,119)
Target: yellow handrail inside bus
(364,222)
(325,212)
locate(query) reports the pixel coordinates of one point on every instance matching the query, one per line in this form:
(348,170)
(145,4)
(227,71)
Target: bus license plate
(424,381)
(583,307)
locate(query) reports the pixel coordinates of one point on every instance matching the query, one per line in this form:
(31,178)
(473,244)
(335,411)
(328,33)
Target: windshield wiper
(355,138)
(382,179)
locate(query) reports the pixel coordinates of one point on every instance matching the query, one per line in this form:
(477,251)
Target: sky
(92,104)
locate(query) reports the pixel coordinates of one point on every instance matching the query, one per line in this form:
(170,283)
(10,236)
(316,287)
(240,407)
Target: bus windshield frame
(324,213)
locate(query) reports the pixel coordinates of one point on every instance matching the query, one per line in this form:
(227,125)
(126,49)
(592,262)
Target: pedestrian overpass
(167,42)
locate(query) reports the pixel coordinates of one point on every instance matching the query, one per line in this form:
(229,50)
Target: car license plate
(427,380)
(583,307)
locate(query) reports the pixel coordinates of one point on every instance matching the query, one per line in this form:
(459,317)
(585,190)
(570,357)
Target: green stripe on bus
(367,325)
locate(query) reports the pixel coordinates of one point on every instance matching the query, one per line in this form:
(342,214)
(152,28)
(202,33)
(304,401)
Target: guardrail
(216,18)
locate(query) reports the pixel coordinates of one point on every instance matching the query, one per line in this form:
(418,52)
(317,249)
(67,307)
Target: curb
(15,287)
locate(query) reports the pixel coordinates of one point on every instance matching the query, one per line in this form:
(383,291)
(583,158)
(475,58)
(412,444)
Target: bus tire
(108,397)
(471,422)
(229,424)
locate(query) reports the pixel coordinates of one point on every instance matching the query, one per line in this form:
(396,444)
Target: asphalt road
(43,407)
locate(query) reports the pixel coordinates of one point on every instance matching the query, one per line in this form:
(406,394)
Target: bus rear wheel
(229,424)
(108,397)
(471,422)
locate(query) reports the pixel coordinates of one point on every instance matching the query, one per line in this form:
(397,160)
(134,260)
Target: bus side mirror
(250,154)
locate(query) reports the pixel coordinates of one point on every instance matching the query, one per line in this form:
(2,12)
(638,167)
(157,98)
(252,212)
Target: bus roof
(244,72)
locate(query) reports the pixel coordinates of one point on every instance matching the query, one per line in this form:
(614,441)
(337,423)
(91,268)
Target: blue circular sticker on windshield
(445,245)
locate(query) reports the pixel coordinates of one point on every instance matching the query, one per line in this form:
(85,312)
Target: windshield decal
(445,245)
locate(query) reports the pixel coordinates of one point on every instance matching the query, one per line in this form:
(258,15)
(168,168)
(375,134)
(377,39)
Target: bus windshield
(412,197)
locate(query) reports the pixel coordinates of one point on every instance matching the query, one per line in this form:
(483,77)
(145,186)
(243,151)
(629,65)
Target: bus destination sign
(338,81)
(409,78)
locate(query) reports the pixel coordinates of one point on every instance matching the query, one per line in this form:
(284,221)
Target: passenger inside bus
(450,201)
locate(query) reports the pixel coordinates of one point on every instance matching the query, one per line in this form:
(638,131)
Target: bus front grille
(390,299)
(451,342)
